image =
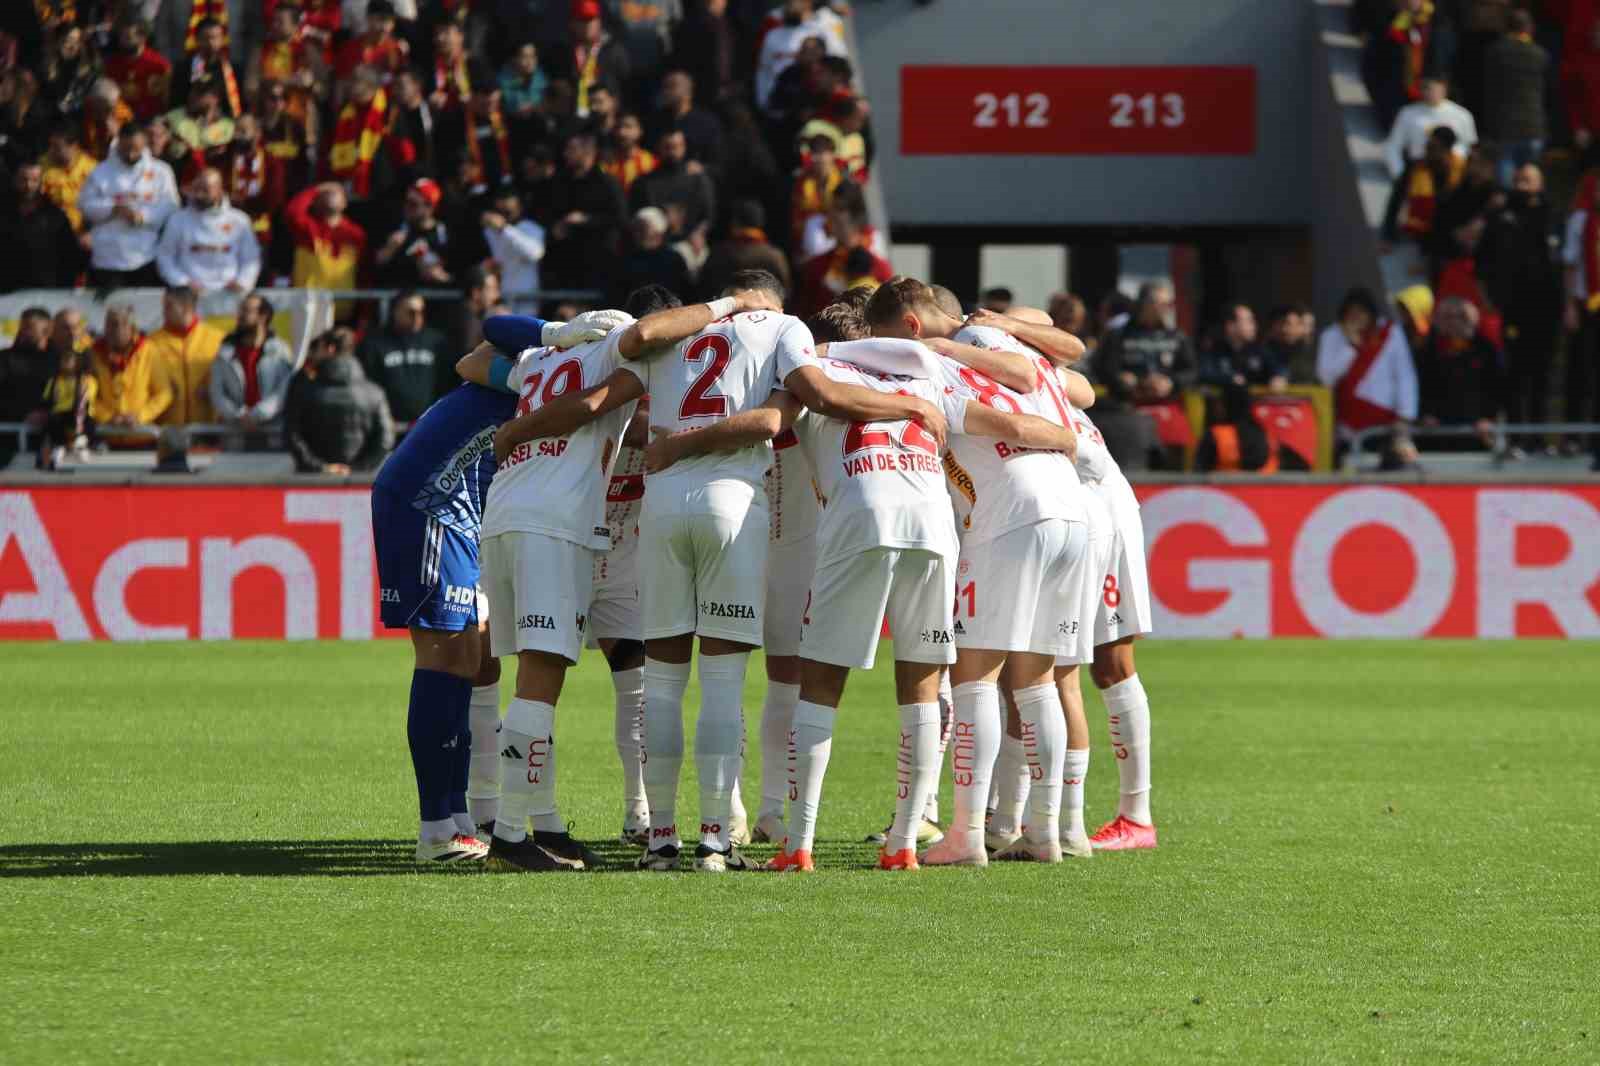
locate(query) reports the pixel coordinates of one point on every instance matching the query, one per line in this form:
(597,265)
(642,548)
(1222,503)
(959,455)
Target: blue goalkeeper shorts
(427,570)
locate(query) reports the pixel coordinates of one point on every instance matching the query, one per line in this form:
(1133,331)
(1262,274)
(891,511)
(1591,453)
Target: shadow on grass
(305,858)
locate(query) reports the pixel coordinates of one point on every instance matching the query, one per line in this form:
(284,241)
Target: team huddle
(640,478)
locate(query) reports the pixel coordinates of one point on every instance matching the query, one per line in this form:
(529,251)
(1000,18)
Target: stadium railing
(1499,448)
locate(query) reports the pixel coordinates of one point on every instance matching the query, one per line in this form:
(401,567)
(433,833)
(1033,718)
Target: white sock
(628,730)
(483,777)
(717,740)
(776,711)
(527,772)
(947,711)
(974,745)
(813,743)
(1128,714)
(433,832)
(1044,745)
(1075,767)
(662,755)
(917,771)
(736,797)
(1010,787)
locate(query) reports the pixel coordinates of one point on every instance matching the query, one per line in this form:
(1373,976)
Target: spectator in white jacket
(1409,137)
(515,242)
(786,29)
(250,379)
(126,200)
(209,245)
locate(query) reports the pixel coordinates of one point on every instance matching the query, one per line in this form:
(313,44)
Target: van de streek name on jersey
(550,447)
(712,609)
(911,462)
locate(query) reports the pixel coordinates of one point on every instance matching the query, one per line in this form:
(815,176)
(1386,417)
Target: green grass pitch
(1370,852)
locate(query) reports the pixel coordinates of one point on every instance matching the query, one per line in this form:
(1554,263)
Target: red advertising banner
(1257,561)
(982,110)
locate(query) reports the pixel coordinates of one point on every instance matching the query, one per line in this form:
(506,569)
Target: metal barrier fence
(1500,436)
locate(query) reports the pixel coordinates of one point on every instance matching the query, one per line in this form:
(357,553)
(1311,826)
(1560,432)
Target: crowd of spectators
(497,151)
(1492,107)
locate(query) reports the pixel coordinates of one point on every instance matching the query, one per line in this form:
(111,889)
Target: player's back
(443,466)
(1013,486)
(883,481)
(729,367)
(556,485)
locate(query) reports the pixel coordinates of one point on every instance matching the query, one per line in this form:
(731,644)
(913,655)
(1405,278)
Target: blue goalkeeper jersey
(445,463)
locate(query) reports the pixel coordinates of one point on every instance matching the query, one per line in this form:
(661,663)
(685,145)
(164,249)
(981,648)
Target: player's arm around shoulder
(857,403)
(568,413)
(1011,369)
(662,328)
(1035,329)
(1029,431)
(743,430)
(1077,388)
(485,366)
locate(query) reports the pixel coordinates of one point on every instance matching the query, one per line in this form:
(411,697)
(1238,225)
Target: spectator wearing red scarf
(822,278)
(251,375)
(290,57)
(377,46)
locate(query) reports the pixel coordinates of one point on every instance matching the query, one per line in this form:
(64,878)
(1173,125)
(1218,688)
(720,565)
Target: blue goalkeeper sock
(430,729)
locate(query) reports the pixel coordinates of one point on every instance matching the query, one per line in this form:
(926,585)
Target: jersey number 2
(700,401)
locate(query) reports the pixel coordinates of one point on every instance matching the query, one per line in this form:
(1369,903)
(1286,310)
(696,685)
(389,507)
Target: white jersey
(729,367)
(792,504)
(556,485)
(883,481)
(624,492)
(1011,486)
(1094,462)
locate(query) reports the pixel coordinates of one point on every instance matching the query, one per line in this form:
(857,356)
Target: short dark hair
(183,294)
(747,214)
(897,297)
(34,312)
(67,131)
(999,293)
(851,201)
(838,322)
(206,23)
(1359,297)
(134,127)
(1519,21)
(759,280)
(648,299)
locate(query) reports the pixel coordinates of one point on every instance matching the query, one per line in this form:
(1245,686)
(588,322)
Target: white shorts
(1022,590)
(1102,537)
(1123,609)
(851,597)
(614,615)
(539,589)
(703,563)
(789,571)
